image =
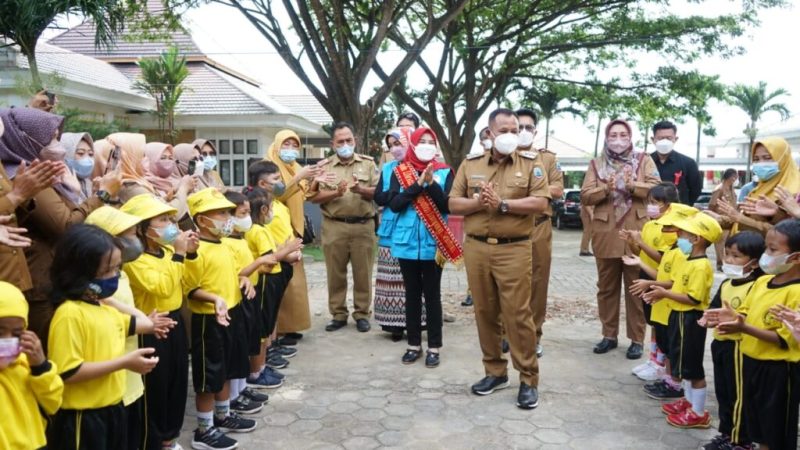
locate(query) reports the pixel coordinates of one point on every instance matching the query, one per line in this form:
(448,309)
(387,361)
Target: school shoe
(660,390)
(286,352)
(232,423)
(286,341)
(431,359)
(295,336)
(504,346)
(276,361)
(676,407)
(334,325)
(274,373)
(255,396)
(605,345)
(244,405)
(718,442)
(467,301)
(362,325)
(688,419)
(264,381)
(411,356)
(489,384)
(636,369)
(528,397)
(635,351)
(212,439)
(652,372)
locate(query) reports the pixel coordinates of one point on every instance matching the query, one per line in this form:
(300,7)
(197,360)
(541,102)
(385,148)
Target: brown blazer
(46,224)
(13,267)
(594,192)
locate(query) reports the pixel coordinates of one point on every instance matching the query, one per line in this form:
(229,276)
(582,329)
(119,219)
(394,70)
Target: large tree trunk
(699,130)
(546,132)
(597,134)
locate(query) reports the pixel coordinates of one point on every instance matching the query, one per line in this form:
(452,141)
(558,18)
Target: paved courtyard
(349,390)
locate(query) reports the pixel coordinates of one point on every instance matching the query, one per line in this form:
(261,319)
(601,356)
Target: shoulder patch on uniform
(537,172)
(529,155)
(475,155)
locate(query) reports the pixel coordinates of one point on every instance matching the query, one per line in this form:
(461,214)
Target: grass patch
(314,251)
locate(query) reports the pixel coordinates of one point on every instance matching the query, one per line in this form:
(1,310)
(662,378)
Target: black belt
(540,220)
(352,219)
(497,241)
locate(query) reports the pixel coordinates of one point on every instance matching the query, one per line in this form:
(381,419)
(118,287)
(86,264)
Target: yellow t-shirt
(667,268)
(281,226)
(243,255)
(733,292)
(134,386)
(156,281)
(656,239)
(22,394)
(89,332)
(694,277)
(212,270)
(260,242)
(763,296)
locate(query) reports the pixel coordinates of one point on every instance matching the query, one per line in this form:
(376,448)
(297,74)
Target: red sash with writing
(430,215)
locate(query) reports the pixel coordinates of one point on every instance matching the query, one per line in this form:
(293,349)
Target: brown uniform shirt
(555,177)
(350,204)
(13,267)
(516,177)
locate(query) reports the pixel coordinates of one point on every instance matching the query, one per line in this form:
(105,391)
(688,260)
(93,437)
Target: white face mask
(242,224)
(664,146)
(735,271)
(525,138)
(506,143)
(487,144)
(775,265)
(425,152)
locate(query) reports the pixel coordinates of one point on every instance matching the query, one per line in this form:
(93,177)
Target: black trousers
(423,276)
(166,385)
(90,429)
(771,398)
(727,381)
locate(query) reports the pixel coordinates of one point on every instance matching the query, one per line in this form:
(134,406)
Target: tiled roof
(305,106)
(210,91)
(79,68)
(81,40)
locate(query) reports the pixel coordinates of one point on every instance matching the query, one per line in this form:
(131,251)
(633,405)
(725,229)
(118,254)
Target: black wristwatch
(105,197)
(503,207)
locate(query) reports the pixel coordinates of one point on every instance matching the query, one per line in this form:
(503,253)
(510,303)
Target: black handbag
(308,232)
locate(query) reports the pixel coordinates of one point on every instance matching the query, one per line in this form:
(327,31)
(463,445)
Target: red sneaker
(676,407)
(688,419)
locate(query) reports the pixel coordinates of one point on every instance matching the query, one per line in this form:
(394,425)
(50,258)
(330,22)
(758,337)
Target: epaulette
(529,155)
(476,155)
(362,156)
(544,150)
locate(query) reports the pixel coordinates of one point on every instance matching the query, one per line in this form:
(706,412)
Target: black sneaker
(235,424)
(718,442)
(662,391)
(255,396)
(277,361)
(286,352)
(286,341)
(489,384)
(504,346)
(244,405)
(212,439)
(431,359)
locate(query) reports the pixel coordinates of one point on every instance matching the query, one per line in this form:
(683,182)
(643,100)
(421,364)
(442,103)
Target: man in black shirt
(673,166)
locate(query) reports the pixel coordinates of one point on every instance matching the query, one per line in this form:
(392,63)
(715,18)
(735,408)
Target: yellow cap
(701,225)
(209,199)
(12,302)
(147,206)
(112,220)
(676,213)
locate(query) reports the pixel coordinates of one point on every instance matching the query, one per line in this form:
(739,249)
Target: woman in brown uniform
(616,185)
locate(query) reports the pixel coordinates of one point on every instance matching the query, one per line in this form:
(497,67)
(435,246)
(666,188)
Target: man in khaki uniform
(348,227)
(542,237)
(497,193)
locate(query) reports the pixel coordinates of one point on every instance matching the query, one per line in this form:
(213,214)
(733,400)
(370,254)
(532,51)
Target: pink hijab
(162,174)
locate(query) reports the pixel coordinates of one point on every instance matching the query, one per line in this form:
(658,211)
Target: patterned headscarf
(27,132)
(619,164)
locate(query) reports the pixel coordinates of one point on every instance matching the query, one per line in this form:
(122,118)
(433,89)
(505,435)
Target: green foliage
(162,78)
(550,100)
(78,121)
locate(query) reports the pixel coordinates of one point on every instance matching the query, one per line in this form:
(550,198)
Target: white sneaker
(641,367)
(652,373)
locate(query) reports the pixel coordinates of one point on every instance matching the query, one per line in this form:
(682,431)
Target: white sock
(222,409)
(234,389)
(699,400)
(242,385)
(205,420)
(687,390)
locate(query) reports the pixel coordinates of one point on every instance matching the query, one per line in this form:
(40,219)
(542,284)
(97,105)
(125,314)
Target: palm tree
(755,101)
(22,22)
(162,79)
(550,99)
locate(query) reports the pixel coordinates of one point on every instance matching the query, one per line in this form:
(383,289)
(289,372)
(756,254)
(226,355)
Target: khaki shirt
(13,267)
(350,204)
(518,176)
(555,177)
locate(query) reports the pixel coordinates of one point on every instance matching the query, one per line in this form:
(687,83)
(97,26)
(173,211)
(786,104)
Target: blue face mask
(105,287)
(766,170)
(345,151)
(685,245)
(288,155)
(82,167)
(167,234)
(209,162)
(278,188)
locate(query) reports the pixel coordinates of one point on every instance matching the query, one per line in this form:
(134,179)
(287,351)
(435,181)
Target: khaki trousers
(586,236)
(610,274)
(354,244)
(542,256)
(501,290)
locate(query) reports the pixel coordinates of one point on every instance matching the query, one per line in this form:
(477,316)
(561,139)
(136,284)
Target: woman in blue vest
(389,304)
(418,190)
